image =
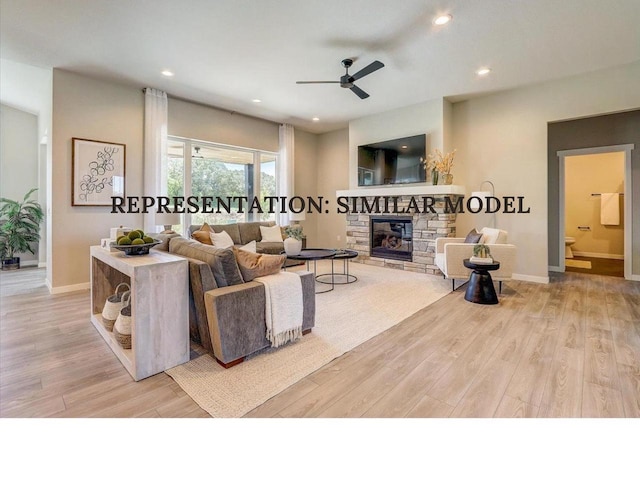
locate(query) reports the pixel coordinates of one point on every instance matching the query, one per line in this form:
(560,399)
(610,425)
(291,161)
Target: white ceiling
(227,52)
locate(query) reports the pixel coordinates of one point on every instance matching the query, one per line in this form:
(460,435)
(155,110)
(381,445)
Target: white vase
(292,246)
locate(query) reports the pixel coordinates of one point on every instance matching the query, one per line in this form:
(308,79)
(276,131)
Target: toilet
(568,242)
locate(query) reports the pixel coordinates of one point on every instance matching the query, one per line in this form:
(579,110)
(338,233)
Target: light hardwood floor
(567,349)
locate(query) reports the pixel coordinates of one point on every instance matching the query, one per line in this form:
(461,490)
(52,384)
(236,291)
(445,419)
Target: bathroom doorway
(594,210)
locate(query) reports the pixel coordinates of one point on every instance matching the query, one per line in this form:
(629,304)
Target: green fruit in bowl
(141,232)
(147,239)
(120,237)
(134,234)
(137,241)
(124,241)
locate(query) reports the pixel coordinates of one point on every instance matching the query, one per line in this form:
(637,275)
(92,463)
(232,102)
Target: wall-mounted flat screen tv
(398,161)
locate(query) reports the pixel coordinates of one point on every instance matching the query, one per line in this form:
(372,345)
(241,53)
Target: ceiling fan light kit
(347,80)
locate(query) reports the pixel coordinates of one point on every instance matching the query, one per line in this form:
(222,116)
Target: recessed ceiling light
(167,73)
(256,100)
(483,71)
(404,146)
(316,119)
(442,19)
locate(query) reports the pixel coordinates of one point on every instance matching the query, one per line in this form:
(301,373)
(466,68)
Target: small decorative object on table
(114,304)
(136,243)
(293,242)
(441,167)
(481,254)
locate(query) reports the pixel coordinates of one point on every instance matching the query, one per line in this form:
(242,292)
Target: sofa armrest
(236,320)
(236,317)
(441,241)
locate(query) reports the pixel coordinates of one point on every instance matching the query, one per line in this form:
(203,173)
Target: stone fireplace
(407,247)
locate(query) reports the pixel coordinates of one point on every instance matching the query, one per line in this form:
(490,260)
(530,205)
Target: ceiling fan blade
(372,67)
(317,82)
(359,92)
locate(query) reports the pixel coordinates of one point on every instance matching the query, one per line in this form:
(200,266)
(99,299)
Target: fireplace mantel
(413,190)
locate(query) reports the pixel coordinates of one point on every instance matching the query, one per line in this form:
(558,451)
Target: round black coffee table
(309,255)
(336,277)
(480,289)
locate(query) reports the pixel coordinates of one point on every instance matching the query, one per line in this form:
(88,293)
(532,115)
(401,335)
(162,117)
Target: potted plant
(293,242)
(19,228)
(481,254)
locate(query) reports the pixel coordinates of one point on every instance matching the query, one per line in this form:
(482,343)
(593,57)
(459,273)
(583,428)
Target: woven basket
(122,326)
(113,305)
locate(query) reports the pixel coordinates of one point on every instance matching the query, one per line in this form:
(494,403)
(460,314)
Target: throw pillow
(203,235)
(254,265)
(490,236)
(271,234)
(250,247)
(473,237)
(222,240)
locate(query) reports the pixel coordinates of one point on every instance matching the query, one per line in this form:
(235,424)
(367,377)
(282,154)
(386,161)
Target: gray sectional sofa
(227,315)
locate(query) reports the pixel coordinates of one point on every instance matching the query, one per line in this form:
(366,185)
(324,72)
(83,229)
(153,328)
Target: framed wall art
(98,172)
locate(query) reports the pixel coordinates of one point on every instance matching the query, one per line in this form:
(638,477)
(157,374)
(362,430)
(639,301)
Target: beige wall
(96,109)
(190,120)
(588,174)
(503,138)
(19,159)
(92,109)
(332,175)
(306,164)
(423,118)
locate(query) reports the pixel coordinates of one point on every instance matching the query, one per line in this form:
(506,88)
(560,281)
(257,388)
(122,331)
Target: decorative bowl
(137,249)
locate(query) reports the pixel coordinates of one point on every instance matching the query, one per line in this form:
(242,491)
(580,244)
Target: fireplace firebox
(391,237)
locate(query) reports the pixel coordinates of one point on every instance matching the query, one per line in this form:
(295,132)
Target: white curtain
(155,150)
(286,168)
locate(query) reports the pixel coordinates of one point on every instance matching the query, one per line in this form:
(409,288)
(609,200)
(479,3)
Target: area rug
(578,264)
(345,318)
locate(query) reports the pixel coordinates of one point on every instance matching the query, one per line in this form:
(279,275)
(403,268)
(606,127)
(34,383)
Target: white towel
(283,308)
(610,209)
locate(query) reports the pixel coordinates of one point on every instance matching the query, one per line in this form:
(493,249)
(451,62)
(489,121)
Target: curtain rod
(599,194)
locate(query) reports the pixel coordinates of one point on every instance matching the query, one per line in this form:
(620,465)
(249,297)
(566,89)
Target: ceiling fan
(347,80)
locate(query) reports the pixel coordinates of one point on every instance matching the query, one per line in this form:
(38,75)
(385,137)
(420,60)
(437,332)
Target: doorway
(595,208)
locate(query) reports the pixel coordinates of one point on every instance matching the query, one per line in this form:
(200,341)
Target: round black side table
(480,289)
(338,278)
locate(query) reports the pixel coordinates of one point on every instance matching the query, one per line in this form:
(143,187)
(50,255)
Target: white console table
(159,285)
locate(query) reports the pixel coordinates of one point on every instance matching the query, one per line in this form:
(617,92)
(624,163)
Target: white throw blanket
(283,309)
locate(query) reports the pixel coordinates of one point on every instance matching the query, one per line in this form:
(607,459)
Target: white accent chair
(451,251)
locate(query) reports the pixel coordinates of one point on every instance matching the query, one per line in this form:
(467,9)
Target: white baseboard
(68,288)
(599,255)
(42,264)
(555,269)
(635,278)
(530,278)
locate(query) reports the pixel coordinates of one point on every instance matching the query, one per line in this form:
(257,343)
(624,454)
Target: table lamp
(296,218)
(167,220)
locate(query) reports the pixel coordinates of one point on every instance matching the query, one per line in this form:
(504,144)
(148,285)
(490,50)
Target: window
(200,169)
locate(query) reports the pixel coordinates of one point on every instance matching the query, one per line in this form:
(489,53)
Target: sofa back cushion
(254,265)
(222,261)
(164,238)
(493,236)
(250,231)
